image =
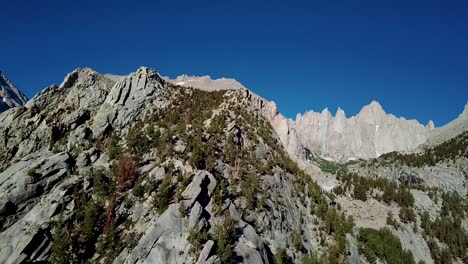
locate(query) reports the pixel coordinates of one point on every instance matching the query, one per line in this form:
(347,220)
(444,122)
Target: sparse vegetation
(449,150)
(62,243)
(382,245)
(225,234)
(33,174)
(164,195)
(391,221)
(361,186)
(406,215)
(281,257)
(213,132)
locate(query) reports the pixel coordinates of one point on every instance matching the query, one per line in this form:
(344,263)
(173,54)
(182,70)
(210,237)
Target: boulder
(205,253)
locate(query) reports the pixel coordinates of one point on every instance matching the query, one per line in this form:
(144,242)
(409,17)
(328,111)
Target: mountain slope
(138,169)
(10,96)
(369,134)
(455,127)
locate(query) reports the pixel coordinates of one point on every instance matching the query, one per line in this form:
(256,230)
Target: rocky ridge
(206,83)
(53,202)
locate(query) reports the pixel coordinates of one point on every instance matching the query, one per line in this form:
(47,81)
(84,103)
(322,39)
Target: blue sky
(411,56)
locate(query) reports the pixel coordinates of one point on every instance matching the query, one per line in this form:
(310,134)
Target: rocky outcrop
(206,83)
(415,243)
(33,189)
(10,96)
(52,114)
(127,98)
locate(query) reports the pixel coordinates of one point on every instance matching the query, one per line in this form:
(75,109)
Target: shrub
(391,221)
(62,243)
(360,192)
(164,195)
(137,142)
(249,186)
(281,257)
(297,240)
(198,155)
(114,149)
(182,209)
(310,259)
(32,173)
(197,238)
(90,218)
(225,234)
(103,185)
(125,172)
(406,215)
(139,189)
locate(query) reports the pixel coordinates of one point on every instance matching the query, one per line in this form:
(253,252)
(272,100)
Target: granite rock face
(55,150)
(53,145)
(369,134)
(444,133)
(52,114)
(127,98)
(10,96)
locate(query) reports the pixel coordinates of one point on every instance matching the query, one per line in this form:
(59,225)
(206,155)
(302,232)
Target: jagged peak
(86,70)
(10,95)
(374,106)
(430,125)
(371,113)
(340,113)
(71,77)
(146,70)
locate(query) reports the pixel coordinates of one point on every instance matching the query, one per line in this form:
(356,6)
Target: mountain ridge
(329,136)
(10,96)
(370,114)
(134,169)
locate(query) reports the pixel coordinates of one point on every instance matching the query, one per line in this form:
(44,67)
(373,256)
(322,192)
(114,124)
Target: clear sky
(411,56)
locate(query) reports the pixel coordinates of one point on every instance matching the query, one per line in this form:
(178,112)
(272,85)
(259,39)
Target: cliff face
(369,134)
